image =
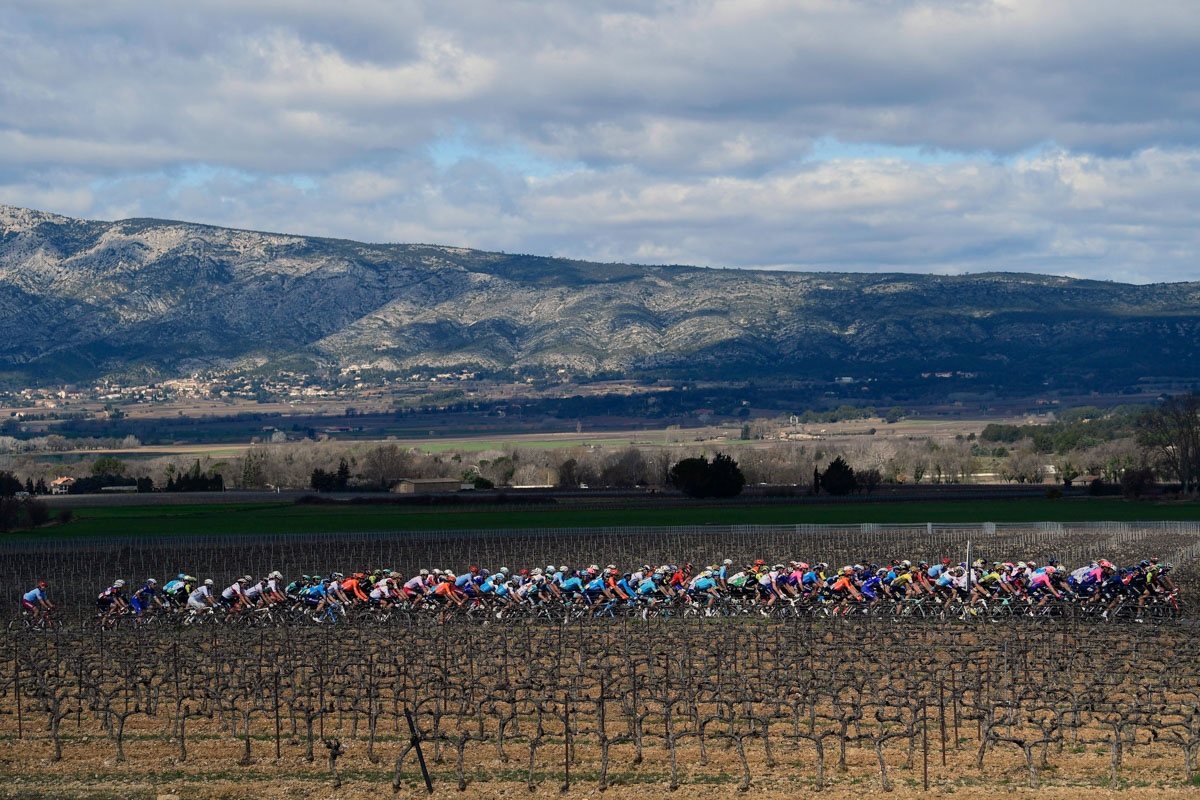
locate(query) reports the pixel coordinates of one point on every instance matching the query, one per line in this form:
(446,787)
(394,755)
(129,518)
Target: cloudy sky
(1054,136)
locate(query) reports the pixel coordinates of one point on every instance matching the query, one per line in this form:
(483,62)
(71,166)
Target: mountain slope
(81,299)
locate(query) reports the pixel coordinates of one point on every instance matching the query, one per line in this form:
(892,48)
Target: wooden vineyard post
(416,743)
(925,742)
(277,714)
(566,742)
(942,714)
(17,689)
(954,700)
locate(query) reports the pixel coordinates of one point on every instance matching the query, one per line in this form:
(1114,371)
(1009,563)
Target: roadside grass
(285,517)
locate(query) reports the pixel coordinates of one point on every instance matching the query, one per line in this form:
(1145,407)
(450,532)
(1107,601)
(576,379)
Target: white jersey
(232,593)
(199,596)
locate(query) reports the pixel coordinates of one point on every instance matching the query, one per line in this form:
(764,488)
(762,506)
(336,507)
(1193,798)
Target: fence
(78,569)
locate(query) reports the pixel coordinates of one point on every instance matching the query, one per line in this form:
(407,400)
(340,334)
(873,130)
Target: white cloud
(626,130)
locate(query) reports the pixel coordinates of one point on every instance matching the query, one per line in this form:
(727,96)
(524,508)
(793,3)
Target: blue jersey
(647,587)
(871,587)
(704,584)
(34,596)
(572,585)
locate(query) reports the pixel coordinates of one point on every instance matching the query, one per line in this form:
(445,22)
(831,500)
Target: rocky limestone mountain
(83,299)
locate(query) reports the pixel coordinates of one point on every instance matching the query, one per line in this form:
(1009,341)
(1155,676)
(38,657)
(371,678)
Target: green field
(290,518)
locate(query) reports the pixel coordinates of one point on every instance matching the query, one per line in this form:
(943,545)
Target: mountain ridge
(83,299)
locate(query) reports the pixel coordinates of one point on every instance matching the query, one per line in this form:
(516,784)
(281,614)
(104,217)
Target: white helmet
(151,582)
(208,582)
(728,562)
(118,583)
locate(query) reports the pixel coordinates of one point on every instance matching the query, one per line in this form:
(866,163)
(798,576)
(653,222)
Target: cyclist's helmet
(208,582)
(802,565)
(1031,564)
(922,563)
(1053,562)
(1153,559)
(847,570)
(337,576)
(1105,564)
(41,584)
(181,577)
(118,583)
(1144,564)
(151,582)
(728,562)
(1050,570)
(1165,567)
(906,563)
(504,570)
(758,562)
(945,562)
(473,568)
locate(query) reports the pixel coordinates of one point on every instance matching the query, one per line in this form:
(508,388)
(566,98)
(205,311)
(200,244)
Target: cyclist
(233,596)
(146,597)
(414,587)
(177,591)
(445,593)
(845,589)
(705,584)
(334,593)
(352,587)
(37,603)
(112,600)
(201,598)
(273,590)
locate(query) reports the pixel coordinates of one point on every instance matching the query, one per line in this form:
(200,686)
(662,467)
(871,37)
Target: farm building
(427,485)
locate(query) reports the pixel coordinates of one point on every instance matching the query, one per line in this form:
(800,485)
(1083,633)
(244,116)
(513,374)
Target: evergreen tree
(838,478)
(343,475)
(696,477)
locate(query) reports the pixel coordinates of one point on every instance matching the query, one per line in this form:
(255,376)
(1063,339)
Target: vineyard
(706,705)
